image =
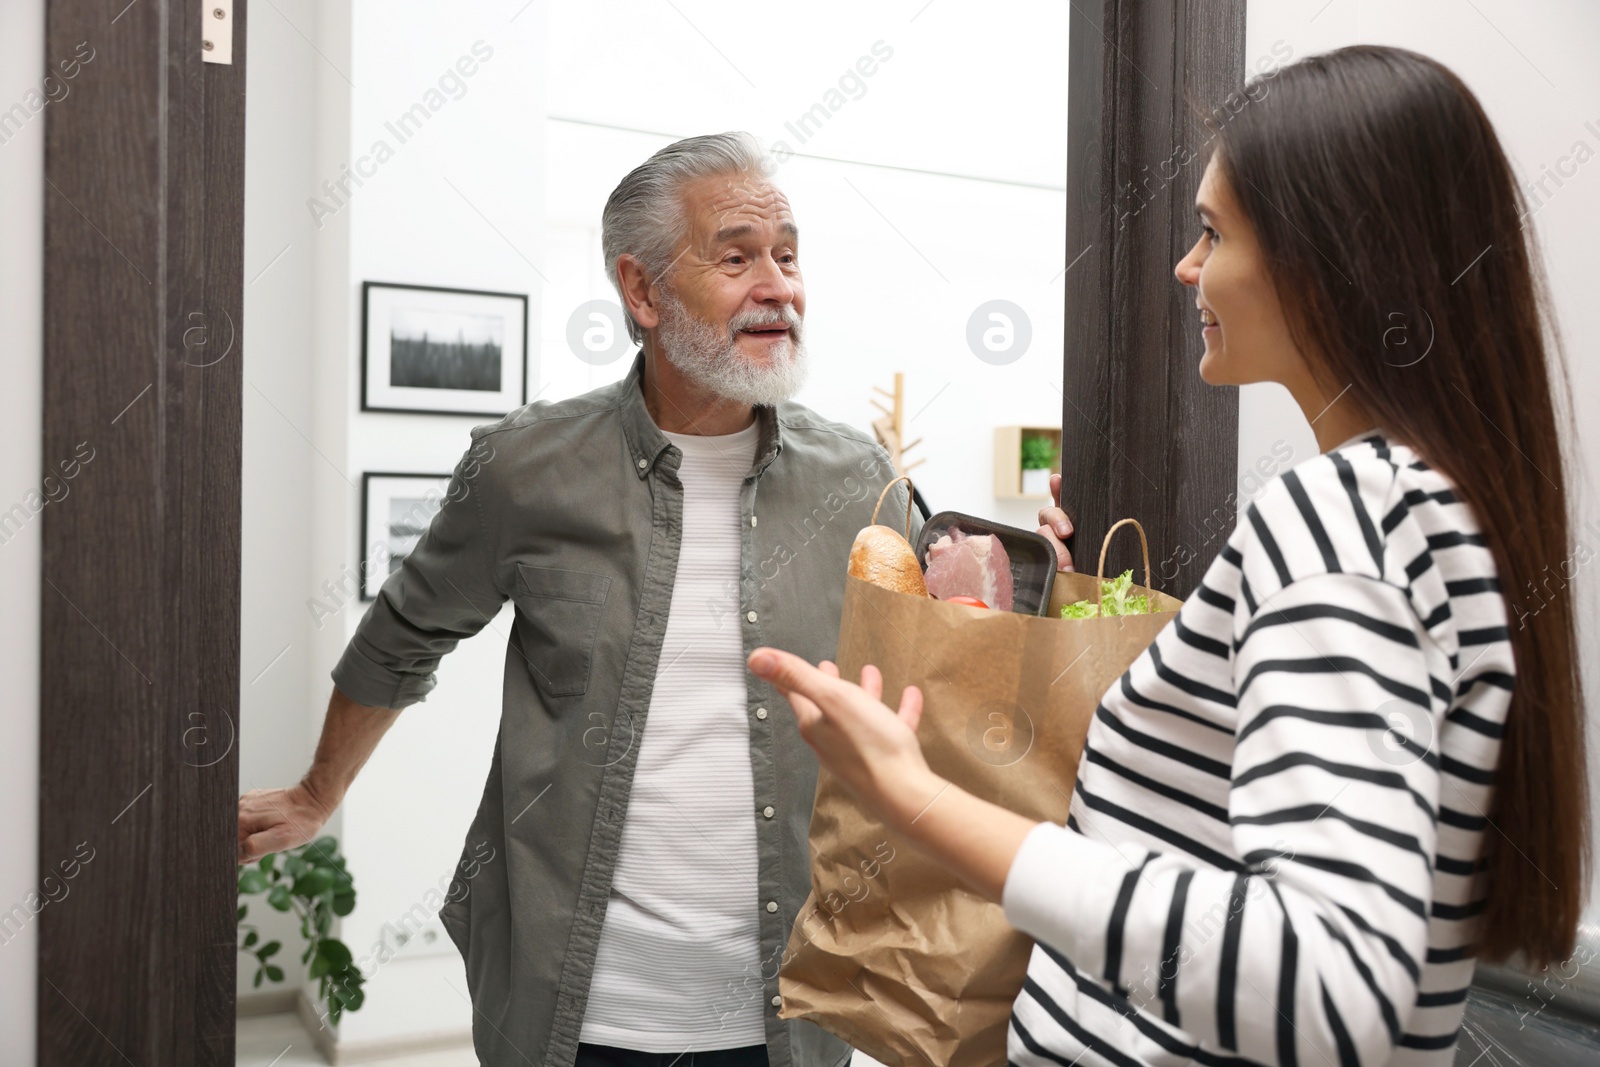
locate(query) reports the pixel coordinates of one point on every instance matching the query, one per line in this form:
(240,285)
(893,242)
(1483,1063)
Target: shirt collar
(1364,435)
(646,442)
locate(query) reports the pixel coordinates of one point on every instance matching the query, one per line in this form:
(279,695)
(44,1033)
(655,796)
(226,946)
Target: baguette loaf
(881,556)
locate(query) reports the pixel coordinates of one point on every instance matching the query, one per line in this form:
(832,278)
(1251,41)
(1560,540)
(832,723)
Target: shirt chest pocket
(559,615)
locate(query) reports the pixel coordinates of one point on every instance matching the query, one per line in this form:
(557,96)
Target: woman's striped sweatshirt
(1274,848)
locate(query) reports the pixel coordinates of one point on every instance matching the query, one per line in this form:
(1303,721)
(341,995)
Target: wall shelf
(1008,459)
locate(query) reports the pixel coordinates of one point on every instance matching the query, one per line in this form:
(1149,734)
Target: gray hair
(644,216)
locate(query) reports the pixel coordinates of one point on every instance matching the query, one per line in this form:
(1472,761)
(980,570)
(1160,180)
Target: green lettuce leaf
(1116,598)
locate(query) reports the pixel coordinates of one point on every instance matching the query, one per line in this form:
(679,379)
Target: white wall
(1532,66)
(281,102)
(22,68)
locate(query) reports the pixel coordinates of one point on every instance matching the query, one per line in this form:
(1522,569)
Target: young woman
(1354,762)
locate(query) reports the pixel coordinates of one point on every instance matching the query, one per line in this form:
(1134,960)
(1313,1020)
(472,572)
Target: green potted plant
(1038,458)
(312,882)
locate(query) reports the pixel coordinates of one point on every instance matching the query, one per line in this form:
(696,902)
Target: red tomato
(969,601)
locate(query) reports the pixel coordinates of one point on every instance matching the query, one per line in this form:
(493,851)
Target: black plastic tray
(1033,557)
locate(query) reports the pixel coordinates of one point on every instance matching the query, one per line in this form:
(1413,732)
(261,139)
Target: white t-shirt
(681,932)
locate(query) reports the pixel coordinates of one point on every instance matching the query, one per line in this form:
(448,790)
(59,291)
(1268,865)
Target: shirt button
(761,713)
(643,463)
(768,811)
(777,1002)
(750,616)
(772,905)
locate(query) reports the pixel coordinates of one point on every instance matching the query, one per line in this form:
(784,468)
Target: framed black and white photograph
(395,510)
(443,351)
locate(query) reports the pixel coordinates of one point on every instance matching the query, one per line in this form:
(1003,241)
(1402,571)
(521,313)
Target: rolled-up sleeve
(445,590)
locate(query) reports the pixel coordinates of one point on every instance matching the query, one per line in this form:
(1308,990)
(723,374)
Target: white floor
(280,1041)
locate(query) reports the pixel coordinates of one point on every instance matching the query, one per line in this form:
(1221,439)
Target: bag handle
(1143,544)
(885,493)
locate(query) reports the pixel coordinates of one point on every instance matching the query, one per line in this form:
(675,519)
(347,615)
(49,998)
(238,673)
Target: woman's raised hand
(867,745)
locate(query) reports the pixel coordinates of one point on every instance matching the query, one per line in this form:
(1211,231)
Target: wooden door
(139,672)
(1142,435)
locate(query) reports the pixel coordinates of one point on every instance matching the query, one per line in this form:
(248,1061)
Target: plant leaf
(314,881)
(334,951)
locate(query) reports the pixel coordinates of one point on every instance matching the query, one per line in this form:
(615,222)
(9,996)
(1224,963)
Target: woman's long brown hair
(1392,228)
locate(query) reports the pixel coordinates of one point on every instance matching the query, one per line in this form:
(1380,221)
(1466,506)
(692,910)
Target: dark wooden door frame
(139,668)
(1142,435)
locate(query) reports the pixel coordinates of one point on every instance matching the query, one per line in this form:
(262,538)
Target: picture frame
(396,507)
(431,350)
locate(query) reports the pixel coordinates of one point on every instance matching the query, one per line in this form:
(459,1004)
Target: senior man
(647,804)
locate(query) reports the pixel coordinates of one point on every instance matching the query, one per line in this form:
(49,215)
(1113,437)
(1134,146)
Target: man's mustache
(783,315)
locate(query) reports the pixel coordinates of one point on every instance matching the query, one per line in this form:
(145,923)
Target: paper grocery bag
(891,952)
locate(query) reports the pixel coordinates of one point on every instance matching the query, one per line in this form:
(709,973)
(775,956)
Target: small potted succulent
(1038,457)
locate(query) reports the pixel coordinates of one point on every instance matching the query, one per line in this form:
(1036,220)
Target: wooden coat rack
(890,427)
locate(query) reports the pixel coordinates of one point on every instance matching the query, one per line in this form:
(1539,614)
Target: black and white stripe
(1274,854)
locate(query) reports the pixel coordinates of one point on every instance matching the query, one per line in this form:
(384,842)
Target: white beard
(709,356)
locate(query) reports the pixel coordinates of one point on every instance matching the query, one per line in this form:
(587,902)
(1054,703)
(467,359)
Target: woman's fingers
(1063,555)
(872,681)
(815,692)
(1056,526)
(806,713)
(854,735)
(1053,516)
(911,706)
(793,675)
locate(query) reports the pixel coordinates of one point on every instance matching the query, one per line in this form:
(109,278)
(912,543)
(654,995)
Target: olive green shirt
(574,511)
